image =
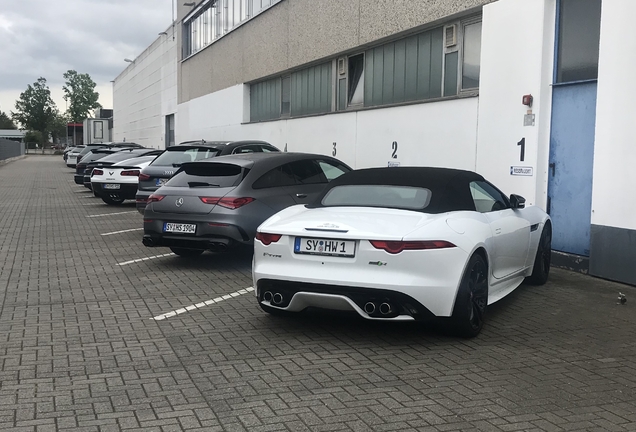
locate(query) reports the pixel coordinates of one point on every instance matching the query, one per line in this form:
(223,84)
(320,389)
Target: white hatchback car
(118,182)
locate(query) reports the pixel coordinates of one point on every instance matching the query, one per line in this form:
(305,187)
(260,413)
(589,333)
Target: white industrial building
(531,94)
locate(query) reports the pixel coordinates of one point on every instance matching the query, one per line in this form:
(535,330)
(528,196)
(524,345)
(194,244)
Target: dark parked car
(90,157)
(72,161)
(115,157)
(218,203)
(162,168)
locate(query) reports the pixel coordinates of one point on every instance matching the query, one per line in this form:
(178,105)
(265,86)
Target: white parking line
(122,231)
(111,214)
(144,259)
(203,304)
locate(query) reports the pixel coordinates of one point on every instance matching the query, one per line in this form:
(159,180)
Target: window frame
(506,200)
(460,75)
(217,24)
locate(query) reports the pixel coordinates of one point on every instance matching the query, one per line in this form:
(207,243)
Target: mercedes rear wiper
(202,184)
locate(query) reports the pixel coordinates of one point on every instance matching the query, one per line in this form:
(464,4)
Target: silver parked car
(218,203)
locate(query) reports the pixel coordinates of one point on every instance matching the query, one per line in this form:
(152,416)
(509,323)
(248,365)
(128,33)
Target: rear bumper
(429,278)
(125,191)
(79,179)
(367,302)
(206,237)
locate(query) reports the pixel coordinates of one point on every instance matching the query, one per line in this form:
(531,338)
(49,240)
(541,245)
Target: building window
(169,139)
(311,90)
(406,70)
(578,40)
(265,100)
(285,108)
(211,22)
(355,92)
(471,56)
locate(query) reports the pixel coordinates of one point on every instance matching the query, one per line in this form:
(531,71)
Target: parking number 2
(394,146)
(334,151)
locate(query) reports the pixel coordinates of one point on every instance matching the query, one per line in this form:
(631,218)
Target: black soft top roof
(449,188)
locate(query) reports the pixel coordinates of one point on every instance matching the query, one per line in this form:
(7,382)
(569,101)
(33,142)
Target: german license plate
(179,228)
(111,186)
(325,247)
(161,182)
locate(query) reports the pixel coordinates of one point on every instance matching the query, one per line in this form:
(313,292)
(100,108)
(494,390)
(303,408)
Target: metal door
(570,169)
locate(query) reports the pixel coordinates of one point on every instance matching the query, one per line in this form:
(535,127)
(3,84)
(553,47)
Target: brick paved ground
(80,351)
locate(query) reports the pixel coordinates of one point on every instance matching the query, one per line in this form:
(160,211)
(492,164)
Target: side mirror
(517,201)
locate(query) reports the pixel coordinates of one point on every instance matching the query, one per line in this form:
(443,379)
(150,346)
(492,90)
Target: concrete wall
(293,33)
(436,134)
(512,66)
(613,238)
(615,147)
(145,92)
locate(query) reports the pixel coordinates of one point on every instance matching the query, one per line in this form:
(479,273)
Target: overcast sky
(48,37)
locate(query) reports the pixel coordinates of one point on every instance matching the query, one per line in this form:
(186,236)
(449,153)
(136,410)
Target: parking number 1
(522,143)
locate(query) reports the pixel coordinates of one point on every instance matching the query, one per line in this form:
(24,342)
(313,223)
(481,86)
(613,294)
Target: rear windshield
(207,175)
(398,197)
(176,157)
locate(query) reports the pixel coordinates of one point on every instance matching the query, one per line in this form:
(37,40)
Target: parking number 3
(394,146)
(334,151)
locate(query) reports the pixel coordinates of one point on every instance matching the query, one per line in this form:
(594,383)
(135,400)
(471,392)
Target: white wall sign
(521,171)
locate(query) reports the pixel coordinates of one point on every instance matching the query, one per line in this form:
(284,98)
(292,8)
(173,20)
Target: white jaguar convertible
(400,244)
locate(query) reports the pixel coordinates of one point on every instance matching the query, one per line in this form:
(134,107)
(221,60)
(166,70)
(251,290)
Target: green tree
(79,92)
(58,126)
(31,138)
(6,122)
(35,109)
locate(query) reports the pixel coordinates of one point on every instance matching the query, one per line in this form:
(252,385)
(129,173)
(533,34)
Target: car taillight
(227,202)
(155,198)
(395,247)
(132,173)
(97,172)
(143,177)
(268,239)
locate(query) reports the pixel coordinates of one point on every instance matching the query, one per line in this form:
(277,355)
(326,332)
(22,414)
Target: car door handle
(301,195)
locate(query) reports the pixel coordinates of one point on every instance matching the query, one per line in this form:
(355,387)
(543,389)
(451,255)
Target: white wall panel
(145,92)
(516,59)
(613,201)
(435,134)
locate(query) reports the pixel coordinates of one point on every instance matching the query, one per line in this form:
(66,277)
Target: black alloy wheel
(541,268)
(472,299)
(186,253)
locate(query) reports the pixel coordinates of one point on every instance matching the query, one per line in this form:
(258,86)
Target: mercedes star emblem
(179,202)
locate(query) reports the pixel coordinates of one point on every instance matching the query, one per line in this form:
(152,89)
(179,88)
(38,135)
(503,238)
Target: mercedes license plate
(325,247)
(111,186)
(161,182)
(179,228)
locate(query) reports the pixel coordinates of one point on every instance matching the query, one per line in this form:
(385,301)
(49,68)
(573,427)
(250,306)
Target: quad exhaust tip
(386,308)
(277,298)
(369,307)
